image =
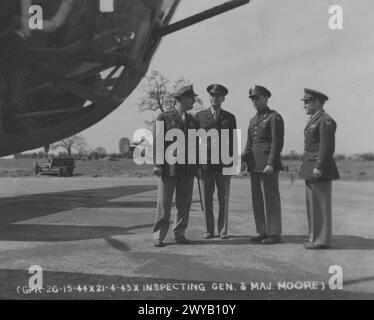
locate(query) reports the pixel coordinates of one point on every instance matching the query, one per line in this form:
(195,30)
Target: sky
(283,45)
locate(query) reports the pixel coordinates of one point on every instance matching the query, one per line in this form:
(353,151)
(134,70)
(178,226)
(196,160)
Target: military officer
(318,169)
(178,177)
(262,158)
(212,172)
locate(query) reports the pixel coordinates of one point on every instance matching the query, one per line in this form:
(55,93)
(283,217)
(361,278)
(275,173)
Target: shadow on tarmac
(356,281)
(339,242)
(20,208)
(66,285)
(32,232)
(15,209)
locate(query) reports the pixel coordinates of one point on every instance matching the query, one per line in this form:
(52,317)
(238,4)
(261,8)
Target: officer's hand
(269,169)
(157,172)
(244,166)
(317,173)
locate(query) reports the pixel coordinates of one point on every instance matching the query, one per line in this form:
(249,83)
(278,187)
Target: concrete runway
(92,238)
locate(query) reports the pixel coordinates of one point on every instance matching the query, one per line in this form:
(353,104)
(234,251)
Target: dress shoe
(208,236)
(271,240)
(224,236)
(159,244)
(313,246)
(182,241)
(258,238)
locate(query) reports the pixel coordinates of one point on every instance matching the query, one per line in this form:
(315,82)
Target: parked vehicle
(62,167)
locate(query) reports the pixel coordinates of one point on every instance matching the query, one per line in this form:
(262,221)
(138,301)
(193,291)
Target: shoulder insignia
(328,117)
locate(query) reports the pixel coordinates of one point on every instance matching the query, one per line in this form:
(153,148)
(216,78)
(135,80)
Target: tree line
(157,97)
(100,153)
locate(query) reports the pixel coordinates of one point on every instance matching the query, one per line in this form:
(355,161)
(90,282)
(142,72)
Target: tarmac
(92,238)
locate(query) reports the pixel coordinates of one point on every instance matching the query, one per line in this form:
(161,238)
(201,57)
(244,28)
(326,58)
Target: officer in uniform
(262,159)
(211,173)
(318,169)
(178,177)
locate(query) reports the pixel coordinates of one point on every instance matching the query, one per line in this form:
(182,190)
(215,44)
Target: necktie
(184,117)
(215,116)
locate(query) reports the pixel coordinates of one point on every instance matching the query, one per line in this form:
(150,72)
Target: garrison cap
(259,90)
(217,88)
(310,94)
(185,91)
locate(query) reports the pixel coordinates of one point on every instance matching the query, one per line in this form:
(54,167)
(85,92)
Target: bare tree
(77,142)
(158,94)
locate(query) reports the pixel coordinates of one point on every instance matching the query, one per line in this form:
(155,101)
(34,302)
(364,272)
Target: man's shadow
(15,210)
(339,242)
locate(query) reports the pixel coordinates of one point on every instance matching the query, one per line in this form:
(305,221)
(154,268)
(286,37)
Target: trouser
(266,203)
(183,188)
(318,205)
(208,182)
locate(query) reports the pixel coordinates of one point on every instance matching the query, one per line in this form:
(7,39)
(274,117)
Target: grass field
(350,170)
(90,168)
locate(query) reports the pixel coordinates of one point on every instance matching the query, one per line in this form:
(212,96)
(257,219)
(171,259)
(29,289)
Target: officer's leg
(309,209)
(207,191)
(183,200)
(272,204)
(322,212)
(223,186)
(165,194)
(258,203)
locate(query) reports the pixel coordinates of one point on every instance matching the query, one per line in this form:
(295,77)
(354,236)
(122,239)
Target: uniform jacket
(319,149)
(226,120)
(265,141)
(173,120)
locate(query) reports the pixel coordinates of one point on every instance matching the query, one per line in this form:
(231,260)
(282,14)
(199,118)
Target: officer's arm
(232,136)
(158,138)
(234,125)
(277,138)
(327,143)
(197,126)
(248,146)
